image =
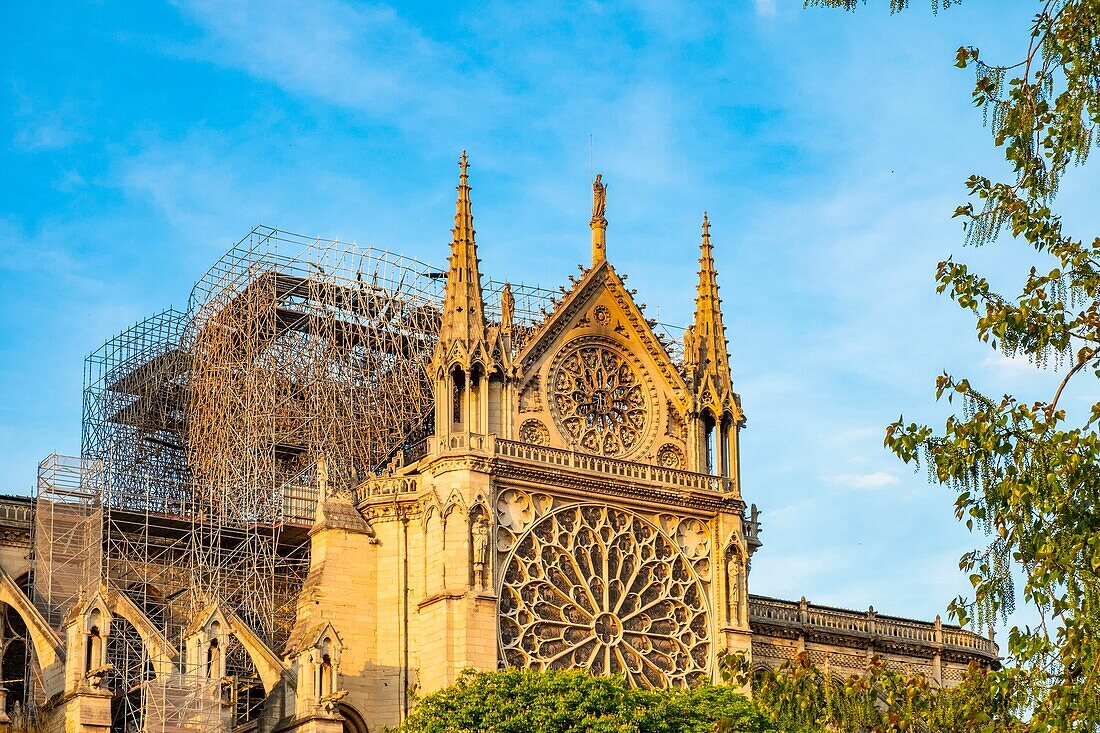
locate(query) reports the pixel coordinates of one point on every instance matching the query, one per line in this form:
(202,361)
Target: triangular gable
(212,612)
(598,281)
(711,395)
(599,315)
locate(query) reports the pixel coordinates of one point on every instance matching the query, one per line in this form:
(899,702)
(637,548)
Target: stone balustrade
(668,477)
(385,486)
(16,511)
(809,619)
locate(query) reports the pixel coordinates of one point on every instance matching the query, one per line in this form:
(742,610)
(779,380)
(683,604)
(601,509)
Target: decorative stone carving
(514,510)
(530,400)
(675,428)
(670,456)
(598,398)
(601,588)
(693,538)
(735,569)
(480,539)
(602,315)
(532,431)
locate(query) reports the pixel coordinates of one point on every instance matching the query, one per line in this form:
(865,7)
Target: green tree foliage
(801,698)
(1024,472)
(521,701)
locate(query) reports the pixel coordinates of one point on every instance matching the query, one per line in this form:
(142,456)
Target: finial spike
(707,342)
(463,317)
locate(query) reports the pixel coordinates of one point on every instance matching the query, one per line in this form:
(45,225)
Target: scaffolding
(67,535)
(210,436)
(183,704)
(134,397)
(203,431)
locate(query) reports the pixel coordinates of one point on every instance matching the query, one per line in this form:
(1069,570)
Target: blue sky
(139,141)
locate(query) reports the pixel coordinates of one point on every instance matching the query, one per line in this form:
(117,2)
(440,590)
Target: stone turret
(471,360)
(463,325)
(717,413)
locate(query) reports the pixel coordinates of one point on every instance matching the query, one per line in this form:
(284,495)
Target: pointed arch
(353,720)
(163,655)
(47,643)
(269,667)
(711,442)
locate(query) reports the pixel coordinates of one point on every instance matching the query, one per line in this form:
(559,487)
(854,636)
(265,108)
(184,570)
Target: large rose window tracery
(599,588)
(599,401)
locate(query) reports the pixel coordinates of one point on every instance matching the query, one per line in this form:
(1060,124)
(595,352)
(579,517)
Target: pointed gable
(596,378)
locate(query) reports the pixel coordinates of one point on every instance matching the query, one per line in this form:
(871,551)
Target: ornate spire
(707,342)
(463,310)
(599,223)
(464,215)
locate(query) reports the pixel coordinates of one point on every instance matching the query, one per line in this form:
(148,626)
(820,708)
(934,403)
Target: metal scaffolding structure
(67,535)
(210,436)
(183,704)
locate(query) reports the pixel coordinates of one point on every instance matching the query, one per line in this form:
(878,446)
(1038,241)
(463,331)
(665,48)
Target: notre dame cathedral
(343,476)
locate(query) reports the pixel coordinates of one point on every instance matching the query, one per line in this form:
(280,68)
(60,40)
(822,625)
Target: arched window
(128,679)
(726,432)
(15,667)
(458,395)
(710,438)
(213,659)
(475,400)
(94,651)
(325,681)
(353,721)
(246,691)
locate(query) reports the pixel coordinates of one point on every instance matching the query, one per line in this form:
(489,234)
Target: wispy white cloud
(874,480)
(42,125)
(45,135)
(764,7)
(365,57)
(1011,367)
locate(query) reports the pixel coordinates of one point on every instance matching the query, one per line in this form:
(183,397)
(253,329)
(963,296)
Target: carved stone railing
(670,477)
(15,510)
(772,611)
(459,441)
(963,639)
(385,486)
(808,619)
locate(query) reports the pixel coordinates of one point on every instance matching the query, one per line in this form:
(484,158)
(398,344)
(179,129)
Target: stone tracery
(600,588)
(599,400)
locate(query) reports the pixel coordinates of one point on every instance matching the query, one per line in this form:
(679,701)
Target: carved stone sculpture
(480,533)
(507,309)
(599,198)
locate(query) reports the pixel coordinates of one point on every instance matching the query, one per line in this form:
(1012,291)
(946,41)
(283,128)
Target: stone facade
(576,503)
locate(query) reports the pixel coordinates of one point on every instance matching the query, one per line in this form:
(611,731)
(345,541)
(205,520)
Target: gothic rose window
(599,401)
(600,588)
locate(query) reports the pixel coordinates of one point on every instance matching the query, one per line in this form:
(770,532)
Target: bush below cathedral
(520,701)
